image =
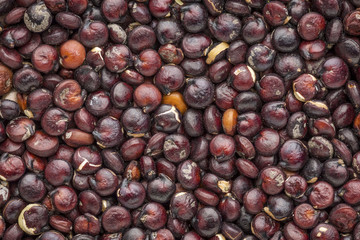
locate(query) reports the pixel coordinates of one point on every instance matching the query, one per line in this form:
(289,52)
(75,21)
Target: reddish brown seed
(140,12)
(324,231)
(312,50)
(297,125)
(225,28)
(86,160)
(293,155)
(249,124)
(206,197)
(58,172)
(20,129)
(263,225)
(132,171)
(117,58)
(222,147)
(276,13)
(77,6)
(108,132)
(15,15)
(32,188)
(12,210)
(295,186)
(33,218)
(37,102)
(321,195)
(44,58)
(161,189)
(292,104)
(305,216)
(351,23)
(271,87)
(350,192)
(304,87)
(169,78)
(116,219)
(153,216)
(147,96)
(267,142)
(55,121)
(320,147)
(219,71)
(13,231)
(188,174)
(10,57)
(95,58)
(141,38)
(272,180)
(34,163)
(183,205)
(5,79)
(229,208)
(84,120)
(72,54)
(11,167)
(131,194)
(342,151)
(171,54)
(247,168)
(176,148)
(155,144)
(162,234)
(113,10)
(207,222)
(291,231)
(322,126)
(76,138)
(195,45)
(244,147)
(335,72)
(275,114)
(343,115)
(121,92)
(343,217)
(60,223)
(11,147)
(68,95)
(254,200)
(64,199)
(132,149)
(148,62)
(48,146)
(242,77)
(311,26)
(87,224)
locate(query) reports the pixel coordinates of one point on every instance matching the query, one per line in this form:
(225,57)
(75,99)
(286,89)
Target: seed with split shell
(188,174)
(176,99)
(20,129)
(33,219)
(216,52)
(305,87)
(242,77)
(176,148)
(37,17)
